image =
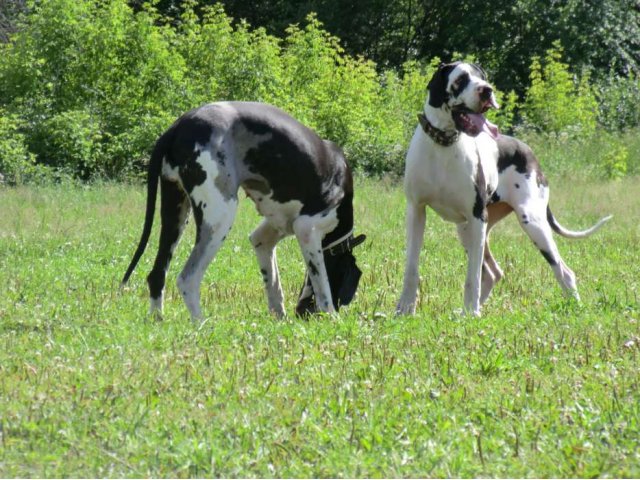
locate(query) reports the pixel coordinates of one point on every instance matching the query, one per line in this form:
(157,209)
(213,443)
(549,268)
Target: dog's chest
(449,179)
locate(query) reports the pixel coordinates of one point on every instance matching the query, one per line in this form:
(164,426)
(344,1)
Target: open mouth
(472,123)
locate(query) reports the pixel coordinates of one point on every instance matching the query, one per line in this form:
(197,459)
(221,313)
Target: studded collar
(344,244)
(441,137)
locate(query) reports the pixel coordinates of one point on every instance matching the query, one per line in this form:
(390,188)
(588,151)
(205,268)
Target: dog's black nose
(485,92)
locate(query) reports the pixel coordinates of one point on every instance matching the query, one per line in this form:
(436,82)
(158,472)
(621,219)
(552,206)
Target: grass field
(540,386)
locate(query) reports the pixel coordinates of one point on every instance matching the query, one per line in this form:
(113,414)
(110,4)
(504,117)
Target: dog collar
(344,244)
(441,137)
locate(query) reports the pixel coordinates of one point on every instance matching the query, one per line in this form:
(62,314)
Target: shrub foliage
(86,86)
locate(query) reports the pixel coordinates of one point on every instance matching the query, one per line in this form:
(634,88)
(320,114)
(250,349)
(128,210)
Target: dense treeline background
(503,34)
(87,85)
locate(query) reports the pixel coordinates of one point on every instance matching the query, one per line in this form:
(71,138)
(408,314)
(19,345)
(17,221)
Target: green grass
(540,386)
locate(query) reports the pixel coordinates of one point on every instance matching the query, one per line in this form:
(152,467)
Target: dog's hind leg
(416,216)
(174,211)
(264,239)
(533,219)
(491,271)
(214,216)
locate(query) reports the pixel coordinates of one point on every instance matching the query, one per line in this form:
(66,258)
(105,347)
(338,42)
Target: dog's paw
(405,309)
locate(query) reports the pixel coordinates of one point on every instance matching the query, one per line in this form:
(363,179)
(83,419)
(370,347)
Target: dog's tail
(153,174)
(560,230)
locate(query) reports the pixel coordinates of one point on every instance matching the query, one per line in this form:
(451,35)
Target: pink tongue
(482,124)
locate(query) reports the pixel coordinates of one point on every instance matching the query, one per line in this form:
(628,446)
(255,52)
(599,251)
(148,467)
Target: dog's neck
(345,221)
(438,125)
(440,118)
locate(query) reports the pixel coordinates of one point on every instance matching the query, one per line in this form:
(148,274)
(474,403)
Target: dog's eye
(460,83)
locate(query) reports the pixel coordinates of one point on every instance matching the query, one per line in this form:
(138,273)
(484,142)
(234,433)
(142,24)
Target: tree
(503,34)
(9,12)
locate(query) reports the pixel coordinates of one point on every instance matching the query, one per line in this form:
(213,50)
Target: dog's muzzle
(473,123)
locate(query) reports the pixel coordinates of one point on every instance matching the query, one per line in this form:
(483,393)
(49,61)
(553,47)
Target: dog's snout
(485,92)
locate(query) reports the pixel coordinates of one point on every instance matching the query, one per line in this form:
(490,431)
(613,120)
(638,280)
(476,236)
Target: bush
(606,155)
(619,102)
(70,140)
(87,86)
(339,96)
(17,163)
(555,101)
(83,76)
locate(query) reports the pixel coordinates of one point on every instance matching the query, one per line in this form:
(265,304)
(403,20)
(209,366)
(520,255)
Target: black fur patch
(295,162)
(438,85)
(460,84)
(479,70)
(198,214)
(547,256)
(513,152)
(192,174)
(173,200)
(480,205)
(312,268)
(344,276)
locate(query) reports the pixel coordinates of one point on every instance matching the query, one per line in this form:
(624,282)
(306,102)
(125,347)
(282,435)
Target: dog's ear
(480,70)
(437,86)
(350,281)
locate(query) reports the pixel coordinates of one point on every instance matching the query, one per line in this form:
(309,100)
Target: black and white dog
(460,166)
(300,183)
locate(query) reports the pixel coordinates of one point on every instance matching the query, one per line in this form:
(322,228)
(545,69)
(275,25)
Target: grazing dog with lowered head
(300,183)
(460,166)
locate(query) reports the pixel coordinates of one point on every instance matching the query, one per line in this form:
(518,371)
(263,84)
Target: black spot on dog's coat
(548,257)
(198,214)
(513,152)
(192,174)
(294,162)
(312,268)
(460,84)
(480,205)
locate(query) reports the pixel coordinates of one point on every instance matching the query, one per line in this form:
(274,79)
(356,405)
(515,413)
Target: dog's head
(461,91)
(343,273)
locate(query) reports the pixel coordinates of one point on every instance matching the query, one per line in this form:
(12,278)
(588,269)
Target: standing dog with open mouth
(460,166)
(300,183)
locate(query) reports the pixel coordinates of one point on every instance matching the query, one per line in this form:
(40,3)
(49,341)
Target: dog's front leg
(264,240)
(472,235)
(416,220)
(310,240)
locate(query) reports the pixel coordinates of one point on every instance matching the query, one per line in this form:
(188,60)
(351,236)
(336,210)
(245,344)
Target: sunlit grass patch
(540,386)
